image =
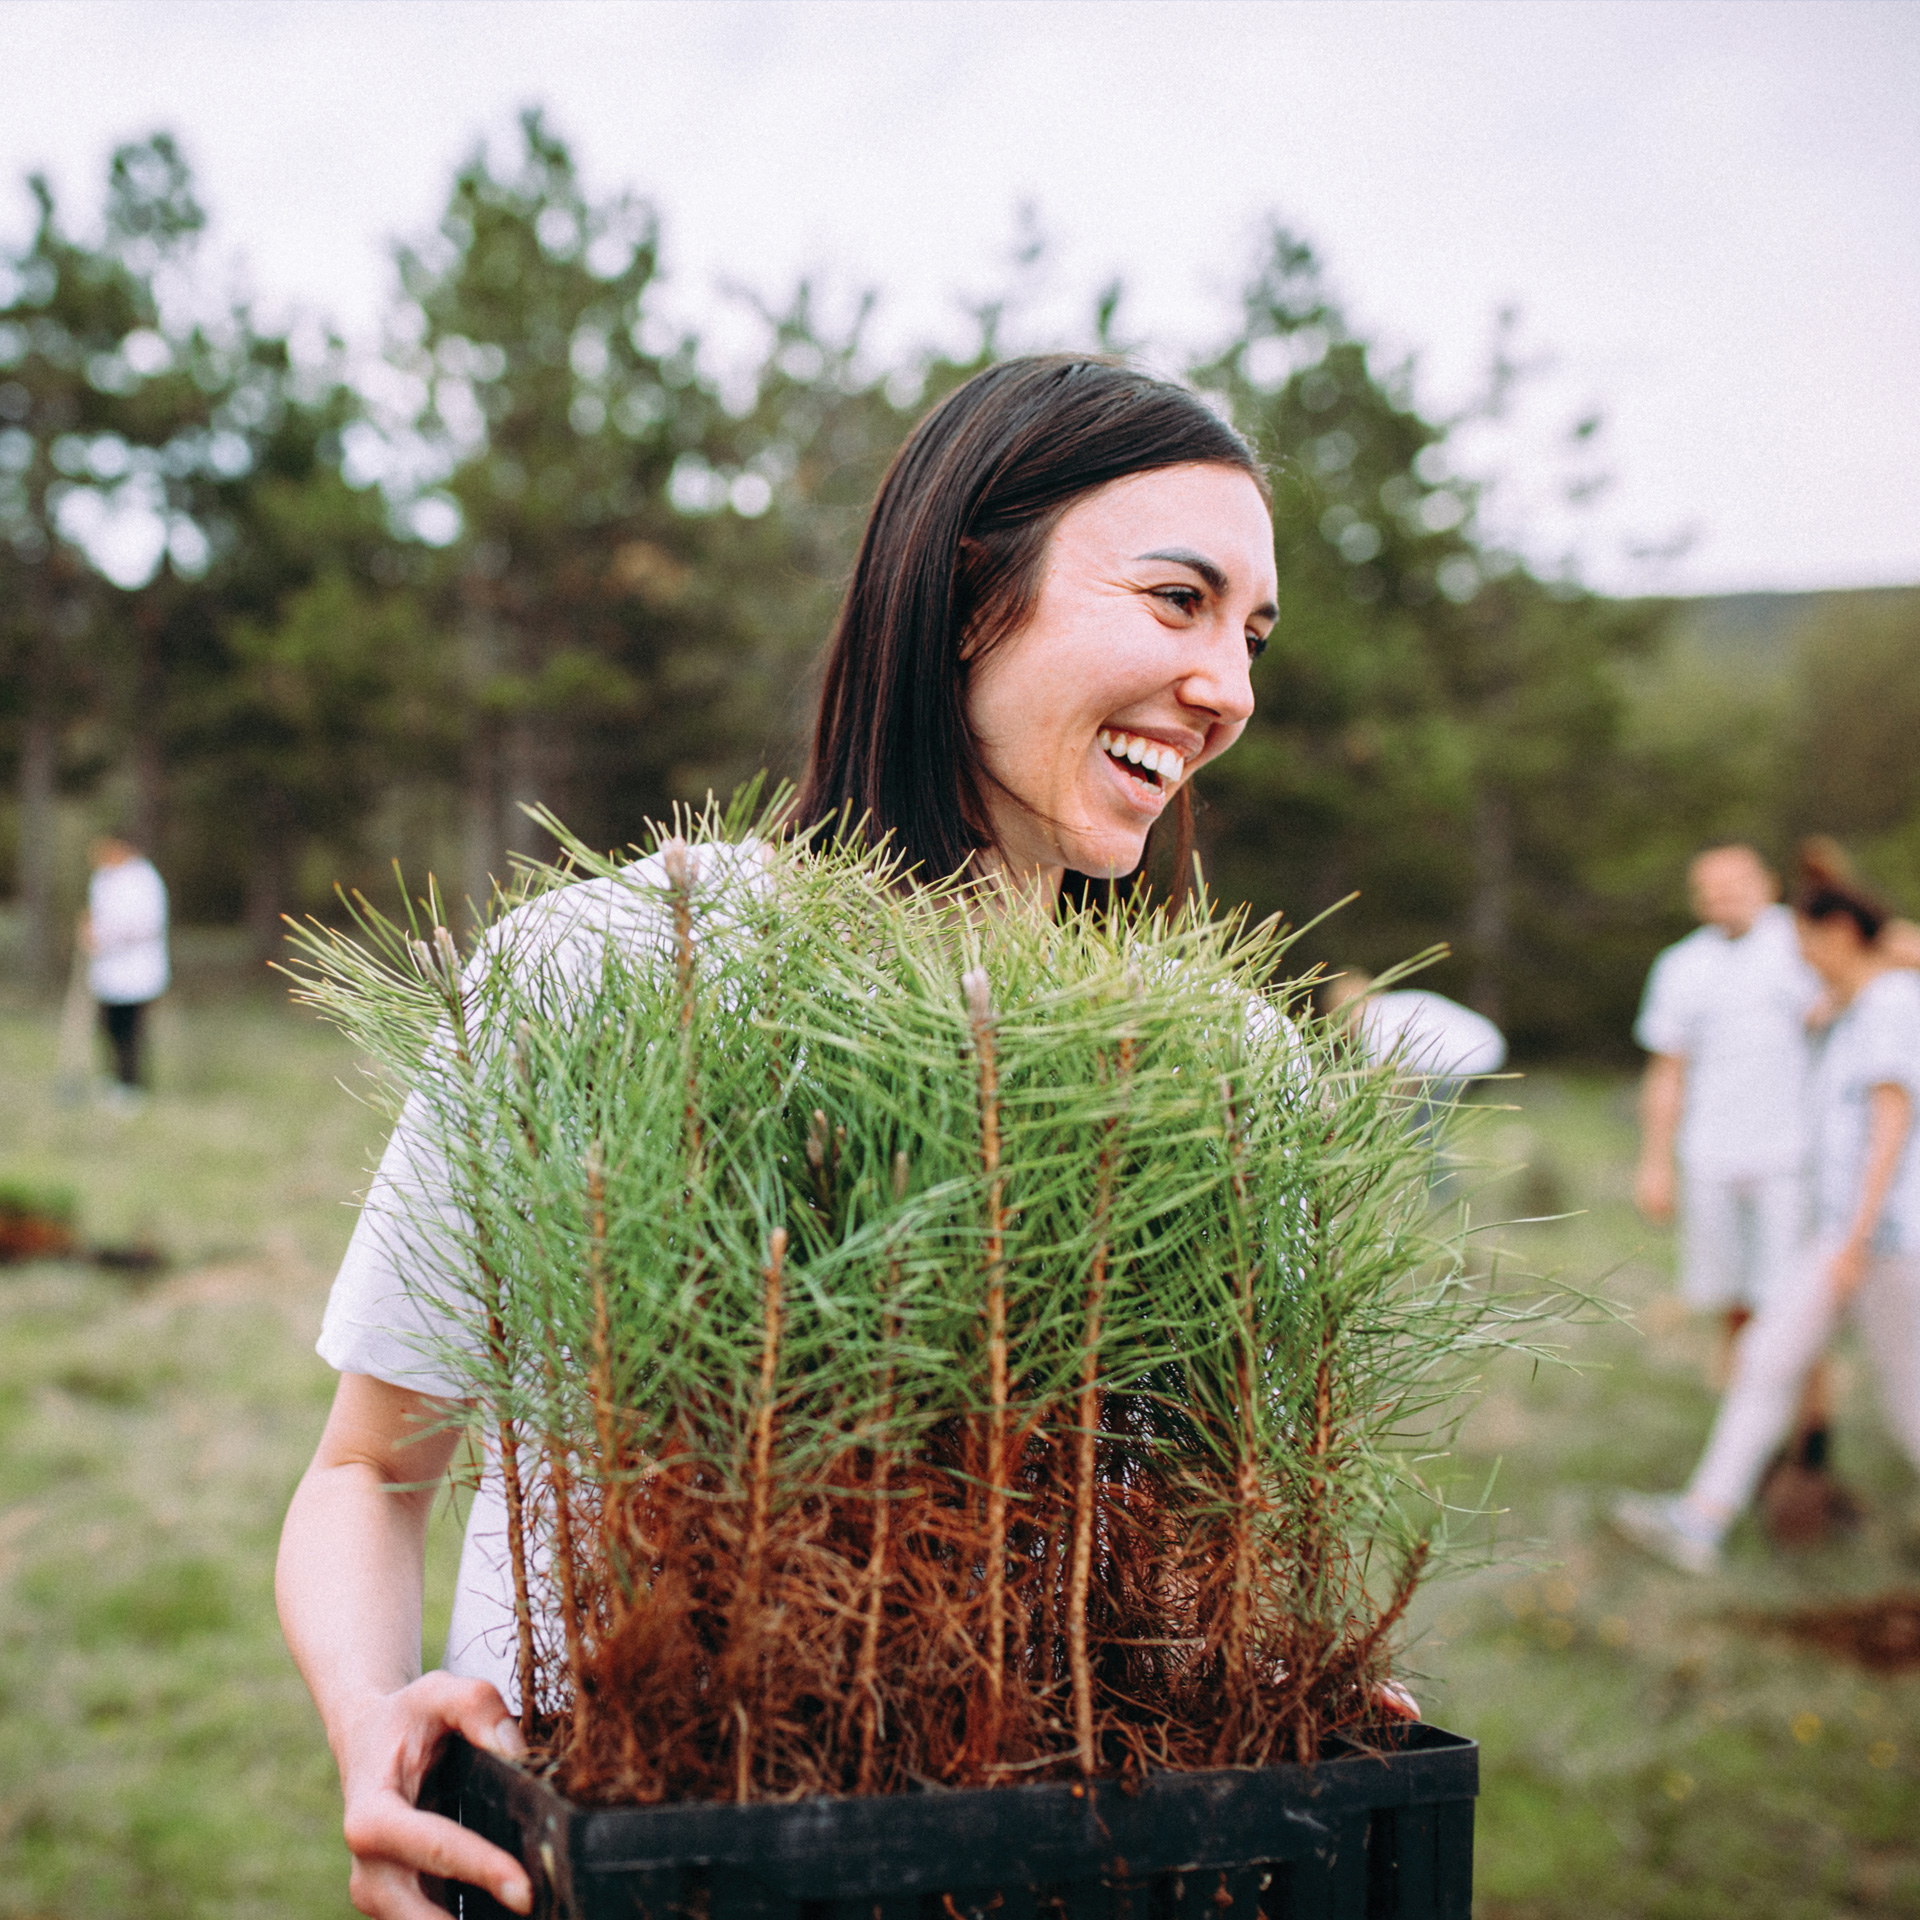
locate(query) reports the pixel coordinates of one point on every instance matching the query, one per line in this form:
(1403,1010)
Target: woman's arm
(349,1582)
(1889,1117)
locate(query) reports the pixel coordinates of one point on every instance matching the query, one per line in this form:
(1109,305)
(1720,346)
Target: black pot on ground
(1361,1836)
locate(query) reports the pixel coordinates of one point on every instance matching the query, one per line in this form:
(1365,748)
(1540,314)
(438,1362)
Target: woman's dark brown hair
(1827,888)
(950,566)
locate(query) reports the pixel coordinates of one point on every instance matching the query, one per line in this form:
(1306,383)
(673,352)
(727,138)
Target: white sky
(1708,213)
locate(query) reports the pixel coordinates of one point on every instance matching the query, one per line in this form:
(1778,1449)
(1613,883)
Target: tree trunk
(276,841)
(56,614)
(482,851)
(527,764)
(148,759)
(482,857)
(39,755)
(1490,924)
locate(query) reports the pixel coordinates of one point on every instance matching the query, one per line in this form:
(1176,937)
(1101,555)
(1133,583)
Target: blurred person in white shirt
(1436,1044)
(1434,1038)
(1724,1105)
(124,935)
(1723,1122)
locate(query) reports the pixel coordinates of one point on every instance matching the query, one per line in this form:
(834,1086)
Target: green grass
(1643,1755)
(158,1755)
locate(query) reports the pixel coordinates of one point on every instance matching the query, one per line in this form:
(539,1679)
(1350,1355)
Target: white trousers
(1741,1237)
(1776,1353)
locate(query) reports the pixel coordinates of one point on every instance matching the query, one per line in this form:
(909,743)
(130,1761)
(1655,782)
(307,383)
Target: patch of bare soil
(29,1233)
(277,1278)
(1882,1634)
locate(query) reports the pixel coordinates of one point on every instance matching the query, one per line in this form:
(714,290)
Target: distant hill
(1759,629)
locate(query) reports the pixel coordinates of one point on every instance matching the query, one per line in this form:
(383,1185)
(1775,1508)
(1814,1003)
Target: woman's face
(1156,593)
(1832,947)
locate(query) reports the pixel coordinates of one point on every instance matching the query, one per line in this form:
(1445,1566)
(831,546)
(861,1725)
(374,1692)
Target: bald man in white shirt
(1722,1108)
(1723,1105)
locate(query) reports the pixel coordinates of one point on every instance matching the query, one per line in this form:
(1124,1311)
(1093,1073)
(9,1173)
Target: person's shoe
(1657,1524)
(1804,1506)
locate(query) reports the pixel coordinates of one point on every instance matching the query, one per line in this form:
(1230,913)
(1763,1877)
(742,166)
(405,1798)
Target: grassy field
(1646,1753)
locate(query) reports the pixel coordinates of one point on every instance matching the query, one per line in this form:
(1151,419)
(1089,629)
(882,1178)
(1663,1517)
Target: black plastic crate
(1361,1836)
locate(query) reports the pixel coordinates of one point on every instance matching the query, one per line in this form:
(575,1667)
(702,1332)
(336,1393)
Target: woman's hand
(349,1582)
(384,1751)
(1398,1702)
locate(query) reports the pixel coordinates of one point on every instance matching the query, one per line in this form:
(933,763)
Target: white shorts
(1740,1239)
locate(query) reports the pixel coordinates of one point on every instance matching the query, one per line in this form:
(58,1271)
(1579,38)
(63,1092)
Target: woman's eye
(1186,599)
(1256,645)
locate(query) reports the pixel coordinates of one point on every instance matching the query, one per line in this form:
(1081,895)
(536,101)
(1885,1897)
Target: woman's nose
(1220,681)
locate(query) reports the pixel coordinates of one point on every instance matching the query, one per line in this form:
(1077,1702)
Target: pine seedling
(919,1339)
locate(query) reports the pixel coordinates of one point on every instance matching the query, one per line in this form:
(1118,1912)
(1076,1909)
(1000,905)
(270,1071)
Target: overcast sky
(1708,213)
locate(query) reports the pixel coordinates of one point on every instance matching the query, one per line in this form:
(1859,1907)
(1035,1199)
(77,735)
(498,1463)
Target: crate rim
(840,1846)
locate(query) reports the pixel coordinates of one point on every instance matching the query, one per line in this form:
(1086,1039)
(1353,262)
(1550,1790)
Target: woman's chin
(1106,856)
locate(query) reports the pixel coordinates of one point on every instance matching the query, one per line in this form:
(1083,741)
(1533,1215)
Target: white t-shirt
(1875,1041)
(127,912)
(1428,1034)
(1736,1012)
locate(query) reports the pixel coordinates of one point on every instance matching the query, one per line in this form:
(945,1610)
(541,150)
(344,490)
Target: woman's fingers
(384,1891)
(392,1745)
(1399,1703)
(388,1838)
(474,1709)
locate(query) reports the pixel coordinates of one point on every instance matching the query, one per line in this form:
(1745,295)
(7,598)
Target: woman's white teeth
(1142,753)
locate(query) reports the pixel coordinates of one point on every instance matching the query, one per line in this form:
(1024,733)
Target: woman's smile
(1147,768)
(1160,765)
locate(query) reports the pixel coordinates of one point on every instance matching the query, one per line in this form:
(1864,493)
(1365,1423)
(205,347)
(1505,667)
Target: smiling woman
(1067,573)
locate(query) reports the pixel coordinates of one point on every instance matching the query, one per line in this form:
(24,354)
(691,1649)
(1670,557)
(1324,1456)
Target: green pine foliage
(923,1339)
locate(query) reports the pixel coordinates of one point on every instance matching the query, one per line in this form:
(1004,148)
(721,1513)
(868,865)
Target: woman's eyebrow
(1210,571)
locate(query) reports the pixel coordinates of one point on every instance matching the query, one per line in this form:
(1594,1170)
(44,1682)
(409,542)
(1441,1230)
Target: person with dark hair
(1864,1257)
(1067,574)
(1021,531)
(124,935)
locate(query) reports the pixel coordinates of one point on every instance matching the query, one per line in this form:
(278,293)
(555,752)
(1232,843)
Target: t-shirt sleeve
(402,1308)
(1666,1011)
(394,1309)
(1889,1043)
